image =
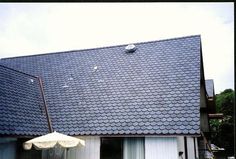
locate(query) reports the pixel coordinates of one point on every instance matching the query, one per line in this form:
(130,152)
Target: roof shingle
(21,110)
(155,90)
(209,87)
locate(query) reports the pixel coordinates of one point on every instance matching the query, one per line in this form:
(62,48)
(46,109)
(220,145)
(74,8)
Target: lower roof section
(21,109)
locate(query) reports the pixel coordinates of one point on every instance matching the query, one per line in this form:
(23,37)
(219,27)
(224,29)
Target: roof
(210,87)
(107,91)
(21,111)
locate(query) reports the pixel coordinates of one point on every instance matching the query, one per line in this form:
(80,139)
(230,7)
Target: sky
(31,28)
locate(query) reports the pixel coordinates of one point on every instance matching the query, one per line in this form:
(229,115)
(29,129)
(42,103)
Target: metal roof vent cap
(130,48)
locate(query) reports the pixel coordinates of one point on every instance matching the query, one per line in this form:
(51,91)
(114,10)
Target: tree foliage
(223,130)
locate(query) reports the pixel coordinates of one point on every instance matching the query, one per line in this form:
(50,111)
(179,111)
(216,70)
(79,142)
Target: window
(111,148)
(122,148)
(133,148)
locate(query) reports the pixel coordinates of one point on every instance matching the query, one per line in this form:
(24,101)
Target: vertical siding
(161,148)
(196,146)
(190,145)
(180,143)
(91,150)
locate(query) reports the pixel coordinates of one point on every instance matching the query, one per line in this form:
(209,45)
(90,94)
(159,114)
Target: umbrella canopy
(52,139)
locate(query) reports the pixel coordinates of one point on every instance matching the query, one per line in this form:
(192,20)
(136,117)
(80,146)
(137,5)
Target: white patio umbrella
(51,140)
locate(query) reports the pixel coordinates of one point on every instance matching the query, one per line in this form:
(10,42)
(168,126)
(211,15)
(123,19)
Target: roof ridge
(61,52)
(18,71)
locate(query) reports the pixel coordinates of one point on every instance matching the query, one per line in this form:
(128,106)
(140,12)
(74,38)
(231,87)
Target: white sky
(27,29)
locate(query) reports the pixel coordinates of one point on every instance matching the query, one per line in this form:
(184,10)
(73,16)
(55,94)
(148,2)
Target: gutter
(45,104)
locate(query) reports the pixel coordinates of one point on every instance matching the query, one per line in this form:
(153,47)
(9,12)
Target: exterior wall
(11,148)
(161,148)
(191,153)
(91,150)
(203,99)
(7,148)
(201,147)
(155,148)
(190,147)
(204,121)
(180,143)
(196,146)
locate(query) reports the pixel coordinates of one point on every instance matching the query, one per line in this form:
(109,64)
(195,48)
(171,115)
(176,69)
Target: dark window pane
(111,148)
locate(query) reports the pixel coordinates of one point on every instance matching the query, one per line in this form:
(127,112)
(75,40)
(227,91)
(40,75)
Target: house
(218,152)
(141,101)
(211,99)
(210,95)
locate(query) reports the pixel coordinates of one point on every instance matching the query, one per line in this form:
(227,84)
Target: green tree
(224,129)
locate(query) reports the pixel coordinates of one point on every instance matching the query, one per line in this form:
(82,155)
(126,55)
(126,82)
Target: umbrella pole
(54,152)
(66,153)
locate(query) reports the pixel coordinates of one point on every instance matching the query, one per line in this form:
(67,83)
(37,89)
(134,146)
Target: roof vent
(130,48)
(95,68)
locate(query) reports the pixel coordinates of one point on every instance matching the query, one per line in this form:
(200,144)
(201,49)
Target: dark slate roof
(21,111)
(103,91)
(209,83)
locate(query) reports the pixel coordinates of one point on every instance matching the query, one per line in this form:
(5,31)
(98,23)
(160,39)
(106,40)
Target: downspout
(45,104)
(206,142)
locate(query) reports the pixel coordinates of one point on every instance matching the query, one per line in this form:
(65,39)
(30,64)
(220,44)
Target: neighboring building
(146,101)
(210,95)
(219,153)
